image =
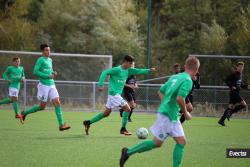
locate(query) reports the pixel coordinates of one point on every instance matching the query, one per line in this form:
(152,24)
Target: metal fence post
(94,96)
(24,94)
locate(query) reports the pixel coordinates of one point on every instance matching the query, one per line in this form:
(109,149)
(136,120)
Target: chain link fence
(83,96)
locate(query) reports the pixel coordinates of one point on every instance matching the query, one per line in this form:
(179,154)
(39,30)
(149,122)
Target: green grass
(38,143)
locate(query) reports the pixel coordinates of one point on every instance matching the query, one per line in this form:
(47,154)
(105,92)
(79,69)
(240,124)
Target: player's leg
(132,105)
(178,150)
(5,101)
(12,93)
(57,104)
(42,96)
(239,106)
(144,146)
(125,116)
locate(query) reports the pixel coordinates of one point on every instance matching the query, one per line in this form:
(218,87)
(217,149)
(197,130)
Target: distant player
(129,93)
(236,102)
(118,76)
(46,87)
(14,75)
(189,99)
(172,95)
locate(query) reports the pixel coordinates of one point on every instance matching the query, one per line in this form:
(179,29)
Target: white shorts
(46,92)
(13,92)
(115,101)
(164,128)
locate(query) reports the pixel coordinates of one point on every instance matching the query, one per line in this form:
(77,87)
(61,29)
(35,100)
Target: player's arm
(181,95)
(23,76)
(138,71)
(6,74)
(103,77)
(37,71)
(228,81)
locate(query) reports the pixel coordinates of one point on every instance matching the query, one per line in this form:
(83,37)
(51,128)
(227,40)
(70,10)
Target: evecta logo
(238,153)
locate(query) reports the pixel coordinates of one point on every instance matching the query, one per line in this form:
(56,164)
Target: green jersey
(14,75)
(177,85)
(43,69)
(118,77)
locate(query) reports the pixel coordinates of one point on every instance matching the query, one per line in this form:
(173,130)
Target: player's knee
(106,114)
(42,106)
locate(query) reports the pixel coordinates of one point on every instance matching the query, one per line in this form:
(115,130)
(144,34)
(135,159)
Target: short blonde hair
(192,63)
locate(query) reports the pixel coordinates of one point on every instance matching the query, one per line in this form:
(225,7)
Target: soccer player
(118,76)
(129,93)
(14,75)
(236,102)
(46,87)
(172,95)
(189,99)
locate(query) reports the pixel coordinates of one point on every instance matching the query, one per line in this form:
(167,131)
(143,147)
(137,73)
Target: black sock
(182,119)
(224,116)
(121,112)
(130,113)
(237,109)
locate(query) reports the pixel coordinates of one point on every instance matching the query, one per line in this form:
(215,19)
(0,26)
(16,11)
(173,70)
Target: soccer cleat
(221,123)
(20,117)
(23,117)
(86,125)
(64,127)
(125,132)
(124,156)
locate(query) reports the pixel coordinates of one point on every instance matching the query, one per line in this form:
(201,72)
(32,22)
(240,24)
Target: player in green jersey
(14,75)
(46,87)
(172,95)
(118,76)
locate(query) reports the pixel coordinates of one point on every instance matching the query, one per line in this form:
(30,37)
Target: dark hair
(43,46)
(240,63)
(176,65)
(15,58)
(128,58)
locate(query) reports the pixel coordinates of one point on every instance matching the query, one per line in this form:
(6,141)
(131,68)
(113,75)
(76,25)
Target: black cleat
(124,156)
(23,116)
(86,125)
(221,123)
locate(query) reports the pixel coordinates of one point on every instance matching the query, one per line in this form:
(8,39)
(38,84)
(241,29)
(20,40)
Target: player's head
(128,61)
(240,66)
(177,68)
(45,49)
(16,61)
(192,65)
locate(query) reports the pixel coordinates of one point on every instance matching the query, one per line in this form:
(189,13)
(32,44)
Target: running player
(14,75)
(46,87)
(118,76)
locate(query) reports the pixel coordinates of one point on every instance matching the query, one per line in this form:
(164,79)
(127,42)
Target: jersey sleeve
(137,71)
(37,71)
(185,88)
(163,88)
(102,78)
(23,75)
(6,73)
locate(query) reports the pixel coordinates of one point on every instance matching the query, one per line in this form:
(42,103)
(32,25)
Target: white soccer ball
(142,133)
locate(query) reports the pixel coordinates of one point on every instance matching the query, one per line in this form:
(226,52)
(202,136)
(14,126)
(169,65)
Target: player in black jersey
(189,99)
(236,102)
(129,93)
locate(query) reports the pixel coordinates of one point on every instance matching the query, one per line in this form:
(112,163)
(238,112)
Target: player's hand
(152,69)
(233,88)
(55,73)
(100,89)
(187,115)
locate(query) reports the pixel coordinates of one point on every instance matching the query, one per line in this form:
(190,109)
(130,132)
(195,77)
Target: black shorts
(129,96)
(235,97)
(189,99)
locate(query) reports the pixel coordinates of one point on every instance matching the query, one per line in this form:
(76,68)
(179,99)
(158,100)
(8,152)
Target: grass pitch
(39,143)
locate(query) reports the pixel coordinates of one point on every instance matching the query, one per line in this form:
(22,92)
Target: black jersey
(235,80)
(131,80)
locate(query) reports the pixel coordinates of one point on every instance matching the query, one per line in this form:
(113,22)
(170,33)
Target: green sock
(5,101)
(125,118)
(59,115)
(142,147)
(178,154)
(96,118)
(33,109)
(15,106)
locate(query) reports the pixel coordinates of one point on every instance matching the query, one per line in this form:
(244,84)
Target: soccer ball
(142,133)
